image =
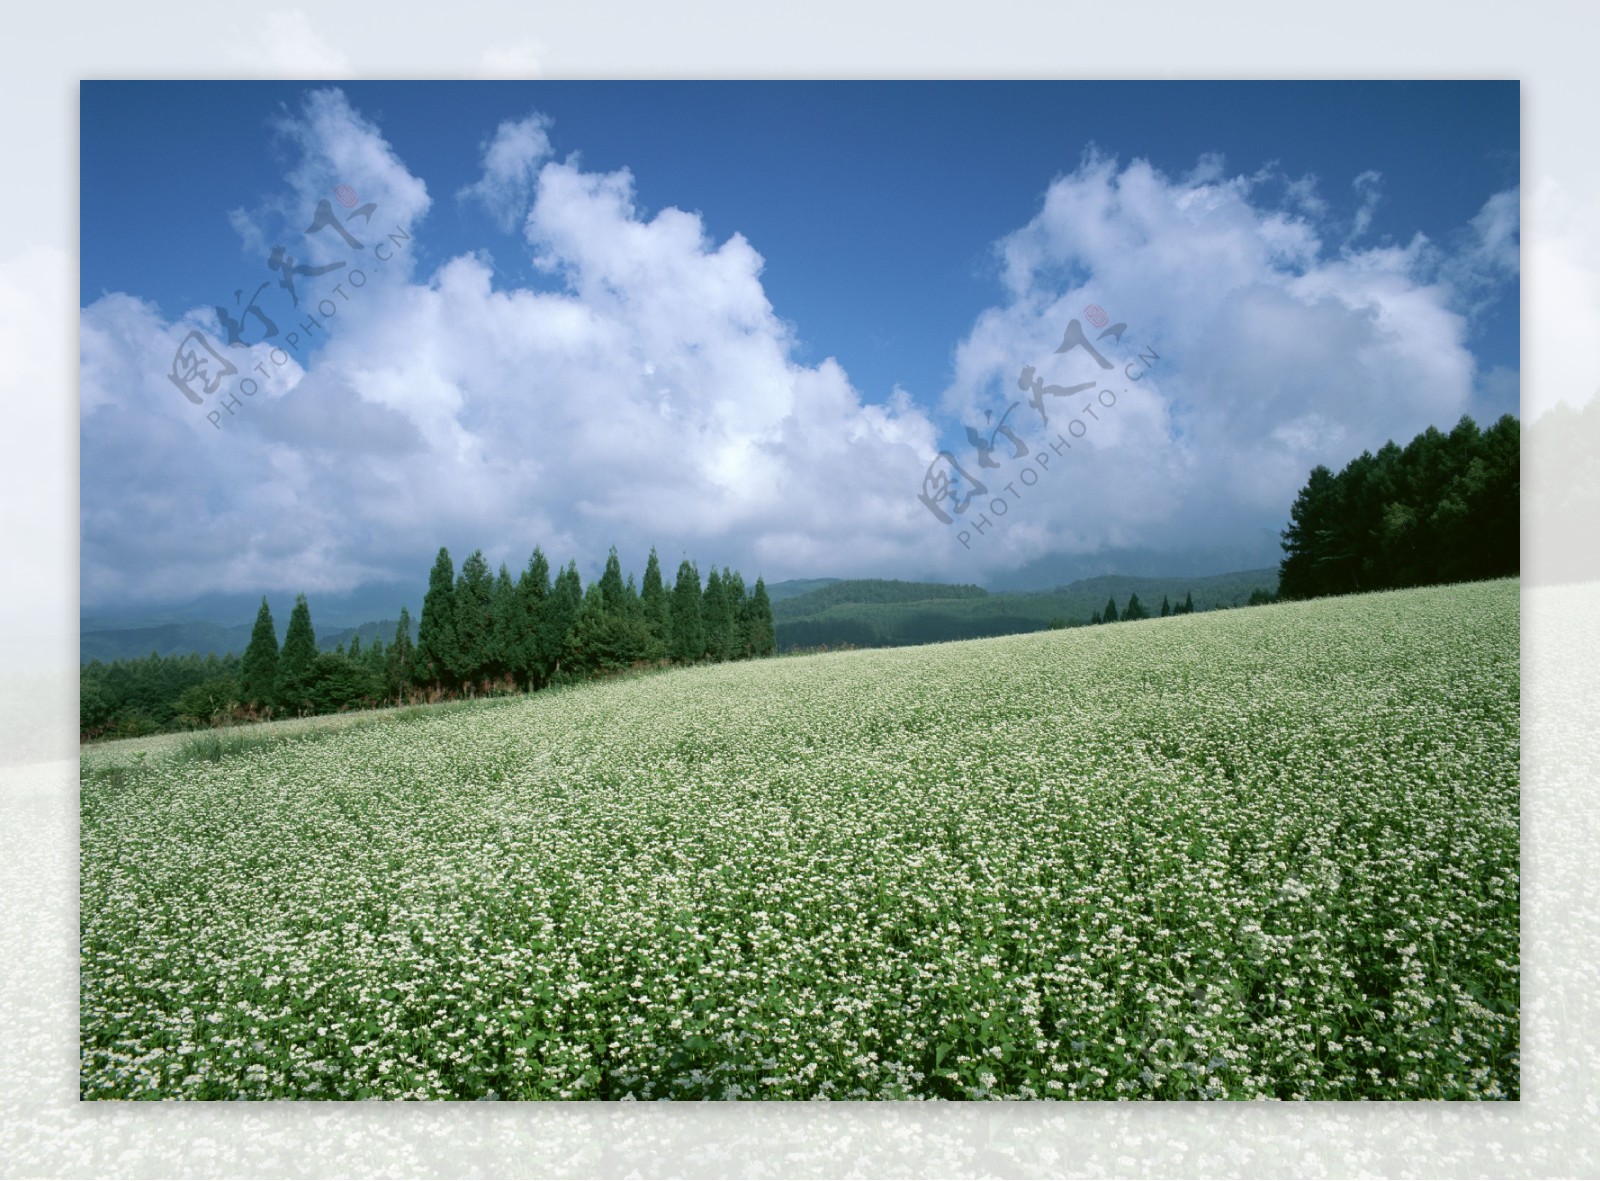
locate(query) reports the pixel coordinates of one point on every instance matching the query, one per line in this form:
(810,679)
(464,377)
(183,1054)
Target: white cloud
(1497,227)
(1369,191)
(654,399)
(1488,251)
(344,162)
(1302,194)
(1277,351)
(511,163)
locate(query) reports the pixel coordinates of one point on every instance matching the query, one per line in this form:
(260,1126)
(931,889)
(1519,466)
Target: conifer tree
(654,601)
(1109,615)
(1188,603)
(763,631)
(583,651)
(376,661)
(1166,607)
(733,589)
(614,642)
(1134,609)
(400,657)
(437,650)
(558,619)
(503,623)
(688,631)
(528,658)
(1312,526)
(611,589)
(297,661)
(258,674)
(474,601)
(714,617)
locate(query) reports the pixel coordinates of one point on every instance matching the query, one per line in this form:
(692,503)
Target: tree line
(480,630)
(1137,610)
(127,698)
(1134,609)
(479,633)
(1445,508)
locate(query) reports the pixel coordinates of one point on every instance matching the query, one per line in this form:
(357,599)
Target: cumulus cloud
(511,163)
(653,396)
(347,182)
(1486,253)
(652,401)
(1278,350)
(1496,225)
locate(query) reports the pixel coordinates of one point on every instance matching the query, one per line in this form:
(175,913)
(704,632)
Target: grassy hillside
(870,614)
(1253,853)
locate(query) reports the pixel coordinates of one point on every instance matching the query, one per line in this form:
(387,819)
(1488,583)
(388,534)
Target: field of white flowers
(1260,853)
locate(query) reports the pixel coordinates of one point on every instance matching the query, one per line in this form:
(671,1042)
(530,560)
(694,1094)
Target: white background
(44,1131)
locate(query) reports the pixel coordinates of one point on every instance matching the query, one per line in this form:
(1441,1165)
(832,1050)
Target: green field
(1270,852)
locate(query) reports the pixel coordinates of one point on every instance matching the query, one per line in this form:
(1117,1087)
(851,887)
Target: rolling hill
(874,613)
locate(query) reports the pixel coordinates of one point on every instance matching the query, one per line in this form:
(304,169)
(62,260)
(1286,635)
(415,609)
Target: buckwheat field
(1264,853)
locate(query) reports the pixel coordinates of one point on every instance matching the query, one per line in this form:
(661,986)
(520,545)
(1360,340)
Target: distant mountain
(383,630)
(344,609)
(1055,570)
(840,592)
(1217,590)
(873,614)
(221,623)
(182,639)
(793,587)
(167,639)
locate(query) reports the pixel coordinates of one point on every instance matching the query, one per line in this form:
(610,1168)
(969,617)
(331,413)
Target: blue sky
(1319,266)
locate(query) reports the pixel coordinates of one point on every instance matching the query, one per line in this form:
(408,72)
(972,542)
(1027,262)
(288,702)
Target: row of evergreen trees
(1137,610)
(1446,508)
(130,698)
(482,632)
(300,679)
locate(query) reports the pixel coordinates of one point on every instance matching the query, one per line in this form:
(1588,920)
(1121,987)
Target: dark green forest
(480,633)
(1445,508)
